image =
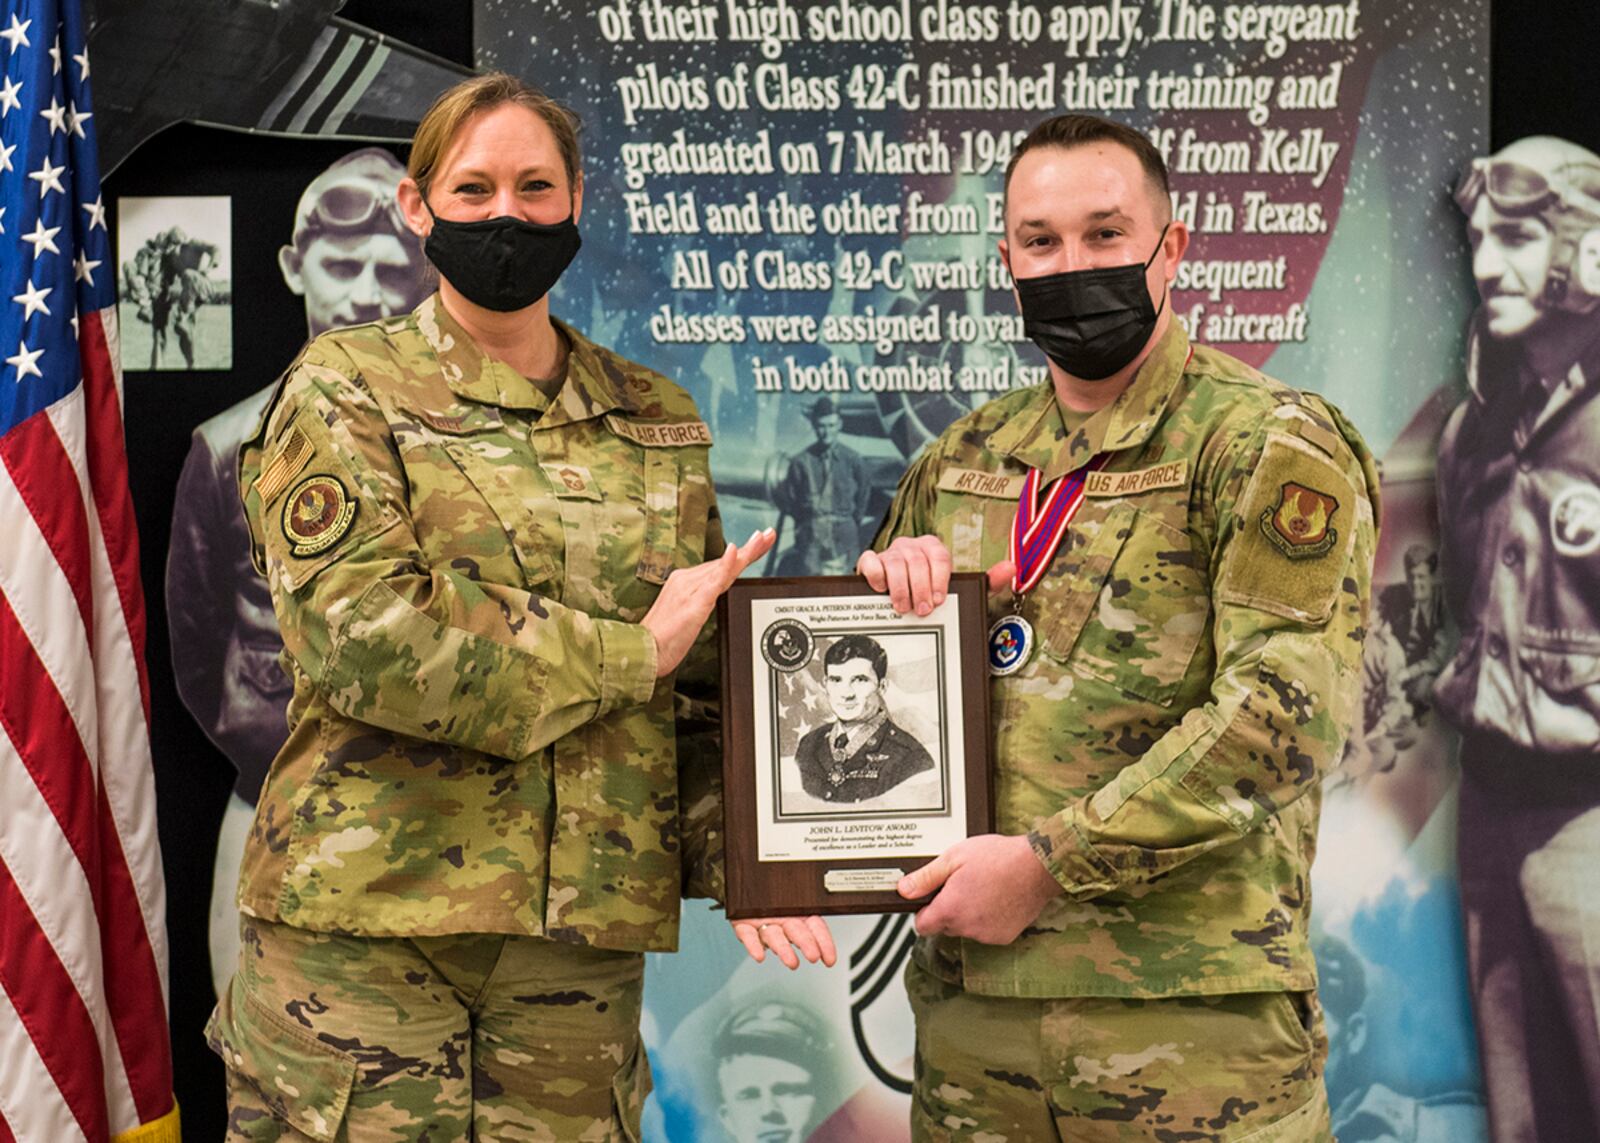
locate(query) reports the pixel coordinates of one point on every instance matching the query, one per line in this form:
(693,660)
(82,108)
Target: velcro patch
(571,481)
(1171,475)
(658,434)
(975,483)
(289,462)
(1299,525)
(1298,518)
(318,512)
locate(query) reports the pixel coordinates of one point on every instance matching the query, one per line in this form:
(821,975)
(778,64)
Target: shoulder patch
(286,464)
(660,434)
(317,515)
(1299,525)
(1297,521)
(976,483)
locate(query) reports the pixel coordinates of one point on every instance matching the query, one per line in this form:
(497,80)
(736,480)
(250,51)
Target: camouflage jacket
(459,563)
(1197,669)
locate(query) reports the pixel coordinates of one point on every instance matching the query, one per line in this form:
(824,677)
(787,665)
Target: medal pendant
(1010,644)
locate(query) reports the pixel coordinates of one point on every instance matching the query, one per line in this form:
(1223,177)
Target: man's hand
(915,571)
(785,934)
(686,599)
(989,889)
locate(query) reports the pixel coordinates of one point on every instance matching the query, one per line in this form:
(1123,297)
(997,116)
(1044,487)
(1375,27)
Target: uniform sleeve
(1291,583)
(911,512)
(386,637)
(698,712)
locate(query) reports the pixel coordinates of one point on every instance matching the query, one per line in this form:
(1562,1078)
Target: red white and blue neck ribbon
(1037,529)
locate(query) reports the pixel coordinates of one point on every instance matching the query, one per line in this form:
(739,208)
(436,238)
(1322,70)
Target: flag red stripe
(47,740)
(138,1008)
(5,1132)
(133,982)
(47,482)
(51,1009)
(34,715)
(108,480)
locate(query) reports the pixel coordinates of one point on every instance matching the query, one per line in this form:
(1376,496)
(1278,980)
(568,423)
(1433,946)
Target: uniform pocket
(277,1070)
(629,1088)
(1134,606)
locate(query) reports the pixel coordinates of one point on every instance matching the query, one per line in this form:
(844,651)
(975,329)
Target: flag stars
(25,361)
(32,300)
(55,115)
(83,64)
(17,34)
(8,95)
(75,120)
(2,220)
(83,269)
(5,156)
(48,177)
(42,238)
(55,57)
(97,212)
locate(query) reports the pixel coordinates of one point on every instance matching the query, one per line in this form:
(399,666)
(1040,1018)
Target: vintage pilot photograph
(175,280)
(859,728)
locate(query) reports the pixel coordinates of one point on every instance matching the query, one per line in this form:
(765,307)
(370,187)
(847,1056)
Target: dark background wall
(1542,82)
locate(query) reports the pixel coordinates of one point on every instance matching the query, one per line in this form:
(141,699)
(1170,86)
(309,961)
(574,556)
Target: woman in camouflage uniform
(491,543)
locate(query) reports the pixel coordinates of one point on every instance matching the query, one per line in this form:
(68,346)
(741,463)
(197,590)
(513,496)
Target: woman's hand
(785,934)
(686,599)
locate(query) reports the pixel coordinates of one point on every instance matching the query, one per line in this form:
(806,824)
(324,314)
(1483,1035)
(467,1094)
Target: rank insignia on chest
(317,513)
(1299,526)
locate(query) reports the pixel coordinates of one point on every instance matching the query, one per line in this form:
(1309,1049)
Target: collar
(593,386)
(1034,434)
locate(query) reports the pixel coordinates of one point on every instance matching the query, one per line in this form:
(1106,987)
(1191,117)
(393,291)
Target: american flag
(84,1049)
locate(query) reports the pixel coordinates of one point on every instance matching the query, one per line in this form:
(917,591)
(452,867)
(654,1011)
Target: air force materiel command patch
(1298,525)
(317,513)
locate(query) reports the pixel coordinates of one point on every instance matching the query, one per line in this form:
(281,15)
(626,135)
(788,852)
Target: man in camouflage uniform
(1519,514)
(424,512)
(1128,957)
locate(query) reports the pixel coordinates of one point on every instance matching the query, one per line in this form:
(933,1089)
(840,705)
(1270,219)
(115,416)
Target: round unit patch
(1575,520)
(787,644)
(317,513)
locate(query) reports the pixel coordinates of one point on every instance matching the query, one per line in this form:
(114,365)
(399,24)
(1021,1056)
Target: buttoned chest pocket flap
(473,497)
(1133,603)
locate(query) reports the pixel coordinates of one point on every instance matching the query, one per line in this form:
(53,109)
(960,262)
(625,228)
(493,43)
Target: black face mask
(501,263)
(1090,322)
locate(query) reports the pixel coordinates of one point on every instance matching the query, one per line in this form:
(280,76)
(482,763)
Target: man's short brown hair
(1068,131)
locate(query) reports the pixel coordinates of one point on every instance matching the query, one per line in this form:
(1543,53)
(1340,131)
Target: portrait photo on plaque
(855,740)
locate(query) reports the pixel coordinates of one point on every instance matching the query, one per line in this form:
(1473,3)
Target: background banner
(793,211)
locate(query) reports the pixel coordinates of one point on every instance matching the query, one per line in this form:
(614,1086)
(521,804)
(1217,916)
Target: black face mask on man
(1090,322)
(502,263)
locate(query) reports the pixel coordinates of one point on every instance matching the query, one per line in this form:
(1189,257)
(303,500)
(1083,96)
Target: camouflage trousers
(1092,1069)
(436,1039)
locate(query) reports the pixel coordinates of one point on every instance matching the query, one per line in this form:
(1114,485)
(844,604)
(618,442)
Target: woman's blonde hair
(480,93)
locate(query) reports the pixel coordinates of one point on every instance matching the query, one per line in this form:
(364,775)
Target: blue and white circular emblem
(1010,644)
